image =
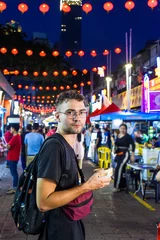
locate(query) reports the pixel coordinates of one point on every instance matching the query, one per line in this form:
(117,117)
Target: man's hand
(132,158)
(98,180)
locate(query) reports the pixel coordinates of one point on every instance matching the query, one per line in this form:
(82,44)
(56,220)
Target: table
(141,167)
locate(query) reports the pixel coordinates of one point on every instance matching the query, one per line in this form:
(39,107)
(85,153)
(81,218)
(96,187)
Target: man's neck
(15,133)
(70,138)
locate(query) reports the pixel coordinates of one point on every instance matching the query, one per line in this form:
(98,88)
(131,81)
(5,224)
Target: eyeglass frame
(75,113)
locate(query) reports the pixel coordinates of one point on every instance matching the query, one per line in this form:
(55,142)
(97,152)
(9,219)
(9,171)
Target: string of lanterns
(45,73)
(56,53)
(39,109)
(108,6)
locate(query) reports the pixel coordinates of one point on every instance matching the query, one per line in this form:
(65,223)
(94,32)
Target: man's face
(71,124)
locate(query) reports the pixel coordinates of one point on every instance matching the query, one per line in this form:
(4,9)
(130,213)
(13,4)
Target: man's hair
(29,127)
(35,126)
(15,126)
(97,126)
(69,95)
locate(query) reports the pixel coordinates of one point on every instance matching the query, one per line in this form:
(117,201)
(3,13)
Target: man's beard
(70,130)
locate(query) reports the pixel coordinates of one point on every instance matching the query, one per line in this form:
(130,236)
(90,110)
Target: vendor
(122,145)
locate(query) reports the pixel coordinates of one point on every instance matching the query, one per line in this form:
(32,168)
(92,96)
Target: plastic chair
(104,157)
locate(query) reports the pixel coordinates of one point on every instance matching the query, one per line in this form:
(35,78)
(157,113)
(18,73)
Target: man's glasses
(73,114)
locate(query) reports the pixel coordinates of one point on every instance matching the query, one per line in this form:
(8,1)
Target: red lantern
(117,50)
(75,86)
(108,6)
(48,97)
(54,88)
(74,72)
(89,83)
(35,74)
(29,52)
(106,52)
(82,84)
(104,67)
(26,87)
(3,50)
(87,7)
(19,86)
(67,87)
(47,88)
(43,97)
(5,72)
(44,74)
(64,73)
(42,54)
(55,73)
(66,8)
(3,6)
(94,69)
(40,88)
(16,72)
(152,3)
(55,53)
(22,7)
(68,53)
(84,71)
(61,88)
(93,53)
(25,73)
(33,88)
(44,8)
(14,51)
(81,53)
(129,5)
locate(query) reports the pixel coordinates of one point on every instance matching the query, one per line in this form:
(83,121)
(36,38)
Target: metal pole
(110,63)
(82,90)
(127,74)
(107,66)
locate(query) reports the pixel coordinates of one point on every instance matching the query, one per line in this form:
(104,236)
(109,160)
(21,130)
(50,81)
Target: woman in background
(122,145)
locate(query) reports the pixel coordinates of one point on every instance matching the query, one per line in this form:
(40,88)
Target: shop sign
(155,101)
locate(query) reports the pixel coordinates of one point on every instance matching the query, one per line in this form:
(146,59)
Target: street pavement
(115,216)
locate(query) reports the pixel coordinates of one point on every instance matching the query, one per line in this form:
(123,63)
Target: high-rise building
(71,28)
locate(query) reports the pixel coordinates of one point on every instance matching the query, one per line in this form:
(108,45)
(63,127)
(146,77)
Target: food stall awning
(130,116)
(6,87)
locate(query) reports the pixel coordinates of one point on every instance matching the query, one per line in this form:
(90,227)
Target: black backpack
(25,213)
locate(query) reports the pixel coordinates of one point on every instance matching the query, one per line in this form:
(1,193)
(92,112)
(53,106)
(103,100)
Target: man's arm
(48,199)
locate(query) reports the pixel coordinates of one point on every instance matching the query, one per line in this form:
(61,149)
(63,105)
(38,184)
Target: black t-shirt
(99,136)
(53,166)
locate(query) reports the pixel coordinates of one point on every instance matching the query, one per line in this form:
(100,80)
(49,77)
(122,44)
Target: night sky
(100,30)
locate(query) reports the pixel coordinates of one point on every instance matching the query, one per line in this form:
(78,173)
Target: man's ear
(57,116)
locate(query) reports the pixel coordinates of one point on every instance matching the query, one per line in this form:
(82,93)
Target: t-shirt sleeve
(50,161)
(12,142)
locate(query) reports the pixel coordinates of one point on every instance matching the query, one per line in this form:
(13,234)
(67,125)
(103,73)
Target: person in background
(14,148)
(97,142)
(87,136)
(33,142)
(79,149)
(23,152)
(107,135)
(51,131)
(122,145)
(155,142)
(8,136)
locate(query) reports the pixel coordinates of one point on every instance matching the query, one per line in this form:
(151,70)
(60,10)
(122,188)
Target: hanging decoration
(67,87)
(5,72)
(152,3)
(55,53)
(94,69)
(61,88)
(104,68)
(3,50)
(33,88)
(66,8)
(14,51)
(54,88)
(108,6)
(3,6)
(74,72)
(81,53)
(47,88)
(82,84)
(64,73)
(89,83)
(93,53)
(75,86)
(25,73)
(87,8)
(45,74)
(29,52)
(44,8)
(22,7)
(42,54)
(27,87)
(106,52)
(16,72)
(19,86)
(117,50)
(68,54)
(55,73)
(40,88)
(35,74)
(84,71)
(129,5)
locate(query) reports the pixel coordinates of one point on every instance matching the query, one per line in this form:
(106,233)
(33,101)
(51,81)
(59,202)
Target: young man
(14,148)
(55,189)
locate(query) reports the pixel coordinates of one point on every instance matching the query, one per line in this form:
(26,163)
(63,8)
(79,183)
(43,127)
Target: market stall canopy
(6,87)
(130,116)
(91,115)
